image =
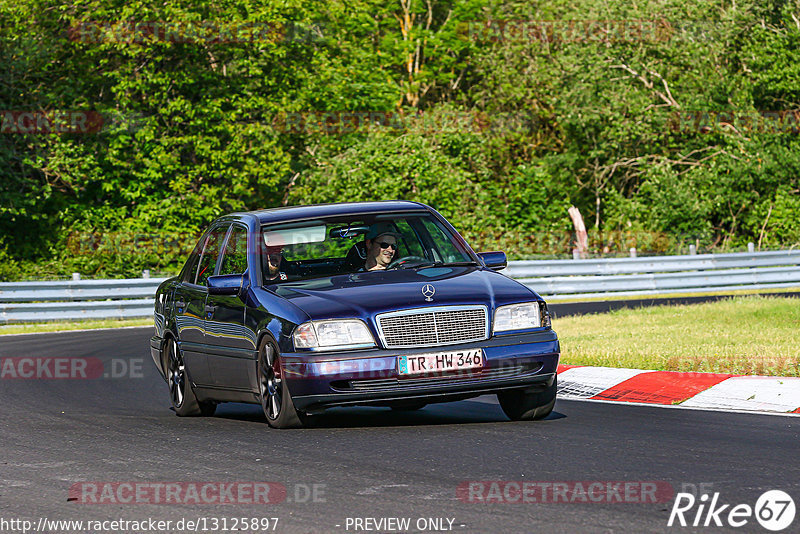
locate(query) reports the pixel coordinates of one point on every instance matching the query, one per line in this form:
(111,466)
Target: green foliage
(501,127)
(9,268)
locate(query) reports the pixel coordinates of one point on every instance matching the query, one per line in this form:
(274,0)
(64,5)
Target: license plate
(440,362)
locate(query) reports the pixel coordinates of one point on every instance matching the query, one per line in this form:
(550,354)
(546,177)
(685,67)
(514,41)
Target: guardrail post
(692,250)
(751,247)
(576,255)
(146,273)
(76,276)
(633,252)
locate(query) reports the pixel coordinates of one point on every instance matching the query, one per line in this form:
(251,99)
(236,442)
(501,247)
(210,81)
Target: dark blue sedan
(371,303)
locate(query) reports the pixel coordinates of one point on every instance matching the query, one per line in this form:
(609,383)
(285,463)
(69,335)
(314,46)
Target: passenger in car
(381,246)
(274,259)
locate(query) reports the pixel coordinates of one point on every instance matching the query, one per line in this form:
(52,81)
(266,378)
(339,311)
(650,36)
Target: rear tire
(276,401)
(521,406)
(181,393)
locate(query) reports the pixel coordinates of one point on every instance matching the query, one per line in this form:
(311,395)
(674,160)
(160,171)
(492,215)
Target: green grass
(738,292)
(79,325)
(753,335)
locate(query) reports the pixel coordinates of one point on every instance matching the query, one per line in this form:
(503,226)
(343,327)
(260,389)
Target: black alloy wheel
(181,393)
(276,401)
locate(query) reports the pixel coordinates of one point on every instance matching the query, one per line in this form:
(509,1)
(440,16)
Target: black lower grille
(391,384)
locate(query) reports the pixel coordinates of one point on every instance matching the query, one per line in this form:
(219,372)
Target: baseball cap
(381,228)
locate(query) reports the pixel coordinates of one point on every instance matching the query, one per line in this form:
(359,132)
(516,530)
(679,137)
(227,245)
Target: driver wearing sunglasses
(381,245)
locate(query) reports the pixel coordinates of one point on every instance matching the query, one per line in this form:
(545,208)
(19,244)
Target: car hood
(366,294)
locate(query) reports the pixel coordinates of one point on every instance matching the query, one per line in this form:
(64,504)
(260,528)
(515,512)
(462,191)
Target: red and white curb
(695,390)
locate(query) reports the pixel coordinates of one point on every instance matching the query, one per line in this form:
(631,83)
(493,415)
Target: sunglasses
(384,244)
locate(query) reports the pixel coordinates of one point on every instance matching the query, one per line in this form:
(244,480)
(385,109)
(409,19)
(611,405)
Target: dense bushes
(658,135)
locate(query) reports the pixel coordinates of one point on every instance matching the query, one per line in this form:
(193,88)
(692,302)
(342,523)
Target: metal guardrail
(71,290)
(69,300)
(570,279)
(72,311)
(651,264)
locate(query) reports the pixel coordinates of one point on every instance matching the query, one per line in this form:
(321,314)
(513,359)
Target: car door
(190,301)
(230,344)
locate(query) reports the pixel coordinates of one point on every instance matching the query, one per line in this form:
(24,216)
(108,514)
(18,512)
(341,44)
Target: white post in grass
(146,273)
(692,250)
(76,276)
(751,247)
(581,237)
(633,252)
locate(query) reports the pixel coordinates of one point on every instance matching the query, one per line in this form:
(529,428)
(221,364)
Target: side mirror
(225,284)
(495,261)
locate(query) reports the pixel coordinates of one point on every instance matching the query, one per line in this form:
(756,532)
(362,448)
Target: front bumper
(321,380)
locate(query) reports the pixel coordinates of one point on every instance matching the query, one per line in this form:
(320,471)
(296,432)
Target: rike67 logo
(774,510)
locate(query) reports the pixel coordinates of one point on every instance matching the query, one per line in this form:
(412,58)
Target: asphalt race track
(366,462)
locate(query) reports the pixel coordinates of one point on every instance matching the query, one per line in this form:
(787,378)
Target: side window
(210,254)
(191,269)
(234,259)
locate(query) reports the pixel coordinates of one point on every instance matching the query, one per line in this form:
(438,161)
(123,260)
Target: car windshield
(343,245)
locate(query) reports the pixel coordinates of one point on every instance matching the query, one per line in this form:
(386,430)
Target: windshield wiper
(419,264)
(456,264)
(448,264)
(432,263)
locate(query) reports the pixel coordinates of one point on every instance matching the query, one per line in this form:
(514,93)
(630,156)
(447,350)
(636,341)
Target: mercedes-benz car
(304,308)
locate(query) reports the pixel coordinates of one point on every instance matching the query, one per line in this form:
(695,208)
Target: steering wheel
(400,261)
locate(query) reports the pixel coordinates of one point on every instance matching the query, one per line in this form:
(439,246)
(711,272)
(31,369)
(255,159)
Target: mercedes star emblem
(428,291)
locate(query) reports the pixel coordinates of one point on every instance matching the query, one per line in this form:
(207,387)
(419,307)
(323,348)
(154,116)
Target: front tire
(521,406)
(276,401)
(181,393)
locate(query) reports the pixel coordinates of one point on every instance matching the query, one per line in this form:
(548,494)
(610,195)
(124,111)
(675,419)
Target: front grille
(429,327)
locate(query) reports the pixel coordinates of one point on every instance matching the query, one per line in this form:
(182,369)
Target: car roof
(290,213)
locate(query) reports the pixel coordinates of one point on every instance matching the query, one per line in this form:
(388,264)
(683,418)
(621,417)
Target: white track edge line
(679,407)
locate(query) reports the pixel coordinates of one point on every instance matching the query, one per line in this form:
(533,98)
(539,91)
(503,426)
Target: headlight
(333,334)
(517,317)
